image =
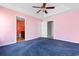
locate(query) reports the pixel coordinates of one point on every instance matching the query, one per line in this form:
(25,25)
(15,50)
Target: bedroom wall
(8,26)
(66,26)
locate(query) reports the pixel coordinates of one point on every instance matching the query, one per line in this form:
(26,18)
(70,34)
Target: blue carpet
(41,47)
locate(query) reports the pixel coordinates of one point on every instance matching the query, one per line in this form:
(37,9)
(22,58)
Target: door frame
(16,27)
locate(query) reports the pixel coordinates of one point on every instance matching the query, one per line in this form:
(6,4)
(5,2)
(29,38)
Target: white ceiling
(28,9)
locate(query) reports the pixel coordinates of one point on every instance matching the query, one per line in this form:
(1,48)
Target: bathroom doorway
(20,29)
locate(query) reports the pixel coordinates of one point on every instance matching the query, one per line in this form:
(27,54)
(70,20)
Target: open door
(20,29)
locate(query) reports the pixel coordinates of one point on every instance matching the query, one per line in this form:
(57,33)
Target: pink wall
(8,26)
(66,26)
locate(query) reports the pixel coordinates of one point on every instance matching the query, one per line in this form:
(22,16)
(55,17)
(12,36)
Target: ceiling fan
(43,8)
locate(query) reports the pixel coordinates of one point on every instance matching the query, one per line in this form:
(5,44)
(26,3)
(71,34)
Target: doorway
(20,29)
(49,29)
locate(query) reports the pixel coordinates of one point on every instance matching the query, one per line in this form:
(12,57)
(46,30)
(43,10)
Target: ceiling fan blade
(38,11)
(46,12)
(44,4)
(50,7)
(36,7)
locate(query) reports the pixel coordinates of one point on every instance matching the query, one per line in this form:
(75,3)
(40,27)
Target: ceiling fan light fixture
(43,8)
